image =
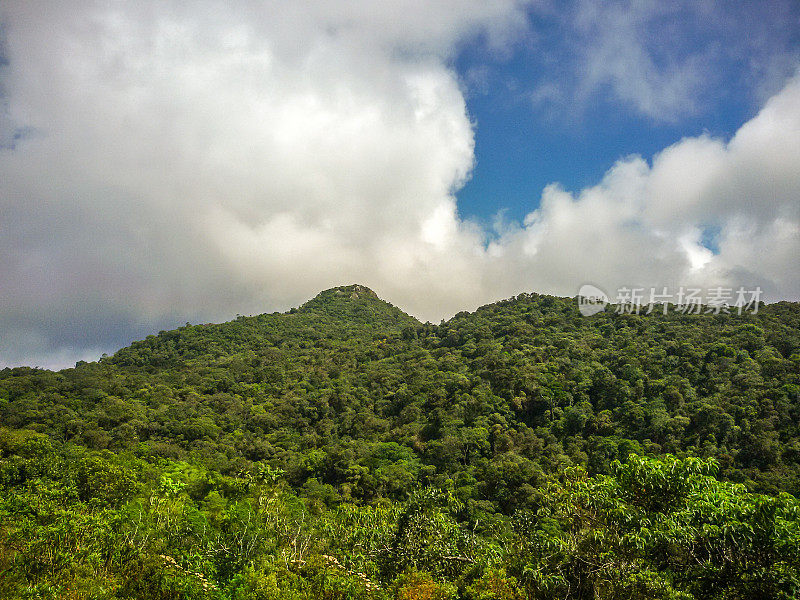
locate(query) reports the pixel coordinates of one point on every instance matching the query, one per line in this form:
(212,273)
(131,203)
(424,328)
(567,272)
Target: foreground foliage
(82,524)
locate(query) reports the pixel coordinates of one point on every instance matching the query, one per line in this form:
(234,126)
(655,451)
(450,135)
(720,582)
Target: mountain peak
(352,292)
(356,303)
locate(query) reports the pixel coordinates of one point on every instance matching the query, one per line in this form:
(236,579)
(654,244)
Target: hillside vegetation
(346,450)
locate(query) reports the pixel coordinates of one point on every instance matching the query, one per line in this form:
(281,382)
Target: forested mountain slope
(518,387)
(349,402)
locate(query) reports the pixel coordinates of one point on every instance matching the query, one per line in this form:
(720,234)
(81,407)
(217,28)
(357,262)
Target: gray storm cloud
(173,164)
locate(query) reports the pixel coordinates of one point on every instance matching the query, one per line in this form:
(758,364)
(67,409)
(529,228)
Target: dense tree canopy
(344,449)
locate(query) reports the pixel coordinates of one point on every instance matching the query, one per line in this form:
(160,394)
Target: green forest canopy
(344,449)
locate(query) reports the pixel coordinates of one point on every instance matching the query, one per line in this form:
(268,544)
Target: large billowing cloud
(162,164)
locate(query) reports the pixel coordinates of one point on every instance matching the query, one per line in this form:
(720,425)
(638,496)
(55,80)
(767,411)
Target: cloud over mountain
(163,164)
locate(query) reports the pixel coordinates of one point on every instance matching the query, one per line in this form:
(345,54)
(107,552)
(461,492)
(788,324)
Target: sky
(168,162)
